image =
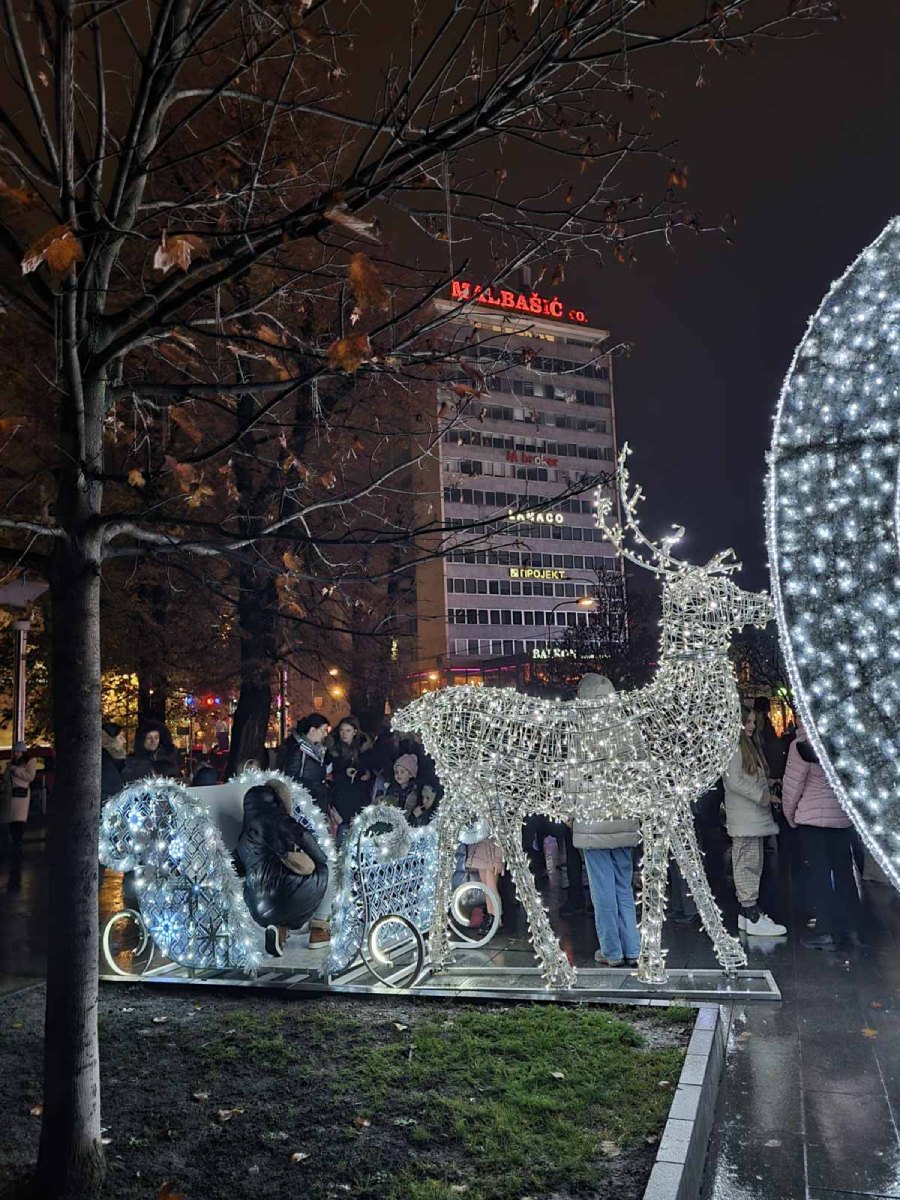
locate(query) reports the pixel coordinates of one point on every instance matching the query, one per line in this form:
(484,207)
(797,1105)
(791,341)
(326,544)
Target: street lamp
(580,602)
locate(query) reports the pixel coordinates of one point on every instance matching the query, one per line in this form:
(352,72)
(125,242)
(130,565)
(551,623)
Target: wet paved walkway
(810,1102)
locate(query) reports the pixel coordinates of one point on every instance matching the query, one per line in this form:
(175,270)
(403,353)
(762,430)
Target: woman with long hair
(748,815)
(349,756)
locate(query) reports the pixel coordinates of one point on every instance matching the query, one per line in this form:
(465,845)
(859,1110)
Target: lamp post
(580,602)
(20,645)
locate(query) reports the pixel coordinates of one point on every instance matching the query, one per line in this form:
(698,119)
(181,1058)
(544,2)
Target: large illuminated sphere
(834,539)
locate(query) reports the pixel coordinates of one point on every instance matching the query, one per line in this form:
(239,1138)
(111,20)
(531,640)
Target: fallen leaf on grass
(225,1114)
(870,1033)
(17,1024)
(404,1121)
(361,1122)
(36,1111)
(106,1141)
(664,1083)
(610,1149)
(200,1096)
(159,1020)
(558,1074)
(402,1028)
(876,1004)
(126,1010)
(299,1156)
(166,1193)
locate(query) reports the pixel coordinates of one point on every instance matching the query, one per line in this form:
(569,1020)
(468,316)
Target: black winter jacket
(350,792)
(112,772)
(306,763)
(273,893)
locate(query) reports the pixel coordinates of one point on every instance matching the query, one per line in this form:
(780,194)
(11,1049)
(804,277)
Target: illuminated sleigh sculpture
(189,906)
(643,755)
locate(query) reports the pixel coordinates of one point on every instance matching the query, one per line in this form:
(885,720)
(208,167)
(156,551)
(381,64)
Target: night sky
(800,143)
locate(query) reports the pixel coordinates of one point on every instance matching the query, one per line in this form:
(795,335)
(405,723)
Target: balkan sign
(537,518)
(544,573)
(531,303)
(552,652)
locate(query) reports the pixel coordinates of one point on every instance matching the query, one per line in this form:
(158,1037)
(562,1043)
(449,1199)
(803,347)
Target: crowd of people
(772,791)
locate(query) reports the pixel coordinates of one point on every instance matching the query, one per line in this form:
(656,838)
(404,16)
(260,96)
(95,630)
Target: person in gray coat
(608,848)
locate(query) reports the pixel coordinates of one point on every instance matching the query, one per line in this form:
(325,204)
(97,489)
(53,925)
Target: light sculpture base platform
(477,978)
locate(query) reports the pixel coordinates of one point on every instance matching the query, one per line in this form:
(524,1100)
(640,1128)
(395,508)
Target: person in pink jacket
(809,803)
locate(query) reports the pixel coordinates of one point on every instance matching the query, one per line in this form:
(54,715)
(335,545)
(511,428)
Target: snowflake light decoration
(833,528)
(190,898)
(645,754)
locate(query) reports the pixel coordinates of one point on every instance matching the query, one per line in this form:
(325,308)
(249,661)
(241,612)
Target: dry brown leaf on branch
(291,561)
(24,196)
(136,478)
(178,251)
(59,248)
(368,290)
(275,337)
(185,422)
(677,177)
(198,494)
(339,214)
(11,424)
(185,474)
(349,353)
(328,479)
(226,471)
(287,601)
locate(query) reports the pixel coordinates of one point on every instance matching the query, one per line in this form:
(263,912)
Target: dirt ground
(226,1097)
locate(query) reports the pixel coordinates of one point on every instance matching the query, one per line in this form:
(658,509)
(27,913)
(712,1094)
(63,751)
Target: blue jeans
(615,918)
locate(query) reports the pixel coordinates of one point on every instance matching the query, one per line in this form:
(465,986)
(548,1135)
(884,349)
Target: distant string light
(833,523)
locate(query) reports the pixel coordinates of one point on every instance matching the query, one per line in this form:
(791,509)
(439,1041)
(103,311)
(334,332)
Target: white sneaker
(764,926)
(742,922)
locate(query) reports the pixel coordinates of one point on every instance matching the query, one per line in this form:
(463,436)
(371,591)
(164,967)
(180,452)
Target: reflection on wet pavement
(810,1100)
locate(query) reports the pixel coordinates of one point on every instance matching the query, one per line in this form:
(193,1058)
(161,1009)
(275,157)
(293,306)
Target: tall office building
(541,424)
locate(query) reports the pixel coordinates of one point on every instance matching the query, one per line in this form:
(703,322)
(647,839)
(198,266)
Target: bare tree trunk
(70,1160)
(258,622)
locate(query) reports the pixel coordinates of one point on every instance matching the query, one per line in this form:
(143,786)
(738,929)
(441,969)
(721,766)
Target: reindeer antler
(660,558)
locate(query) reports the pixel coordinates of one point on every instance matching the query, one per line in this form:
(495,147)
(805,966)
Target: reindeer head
(701,604)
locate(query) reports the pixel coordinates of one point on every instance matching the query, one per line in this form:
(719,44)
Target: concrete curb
(678,1171)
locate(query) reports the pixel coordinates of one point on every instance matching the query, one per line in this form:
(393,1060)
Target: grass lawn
(386,1099)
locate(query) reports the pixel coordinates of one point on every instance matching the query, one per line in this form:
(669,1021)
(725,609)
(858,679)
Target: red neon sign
(532,303)
(539,460)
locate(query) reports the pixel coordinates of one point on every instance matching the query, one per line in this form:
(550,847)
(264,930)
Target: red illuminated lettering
(532,302)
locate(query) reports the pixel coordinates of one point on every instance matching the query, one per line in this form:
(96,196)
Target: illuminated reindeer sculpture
(644,755)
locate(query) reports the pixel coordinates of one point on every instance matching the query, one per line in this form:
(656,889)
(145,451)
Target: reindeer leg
(438,945)
(652,962)
(729,950)
(555,967)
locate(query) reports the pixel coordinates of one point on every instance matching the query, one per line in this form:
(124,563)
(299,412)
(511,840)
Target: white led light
(840,634)
(643,755)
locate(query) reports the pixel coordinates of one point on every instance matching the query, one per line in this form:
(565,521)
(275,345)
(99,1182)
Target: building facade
(528,427)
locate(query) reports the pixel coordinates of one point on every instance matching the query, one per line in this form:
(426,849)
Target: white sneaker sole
(768,933)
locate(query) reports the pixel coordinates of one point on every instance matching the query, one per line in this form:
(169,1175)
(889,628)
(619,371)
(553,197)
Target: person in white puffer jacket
(749,819)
